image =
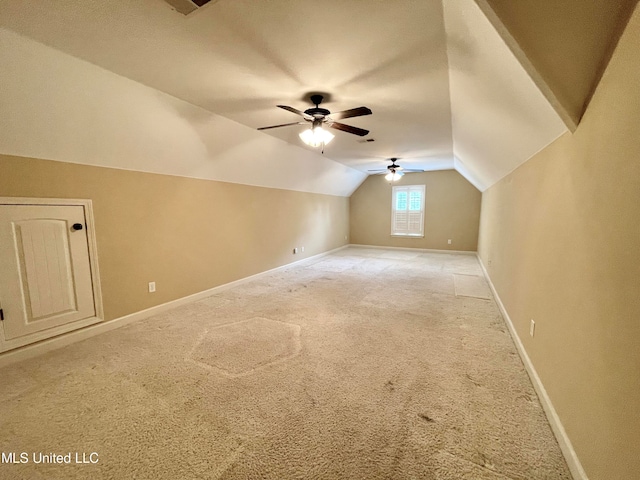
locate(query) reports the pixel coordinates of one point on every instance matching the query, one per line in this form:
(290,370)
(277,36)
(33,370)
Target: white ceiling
(57,107)
(445,91)
(500,118)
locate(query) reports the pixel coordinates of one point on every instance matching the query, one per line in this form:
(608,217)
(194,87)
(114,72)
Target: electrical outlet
(152,287)
(295,250)
(532,327)
(449,241)
(302,249)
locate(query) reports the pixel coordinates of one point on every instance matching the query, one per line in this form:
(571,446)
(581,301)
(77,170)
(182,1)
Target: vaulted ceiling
(456,84)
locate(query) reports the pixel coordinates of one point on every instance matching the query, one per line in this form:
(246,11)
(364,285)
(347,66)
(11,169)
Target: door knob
(76,226)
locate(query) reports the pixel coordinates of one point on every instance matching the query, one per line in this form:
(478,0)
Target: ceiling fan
(317,117)
(394,171)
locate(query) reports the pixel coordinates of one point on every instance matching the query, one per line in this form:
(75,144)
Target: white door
(45,278)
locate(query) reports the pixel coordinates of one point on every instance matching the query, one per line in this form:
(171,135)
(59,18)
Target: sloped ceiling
(445,90)
(569,42)
(56,107)
(500,118)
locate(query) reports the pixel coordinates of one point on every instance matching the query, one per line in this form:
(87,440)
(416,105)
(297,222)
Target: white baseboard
(428,250)
(35,349)
(569,453)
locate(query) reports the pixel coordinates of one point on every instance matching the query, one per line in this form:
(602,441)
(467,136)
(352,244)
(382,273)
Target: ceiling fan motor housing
(317,112)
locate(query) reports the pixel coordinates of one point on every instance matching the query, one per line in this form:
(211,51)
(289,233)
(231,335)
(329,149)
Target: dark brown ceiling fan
(393,171)
(321,116)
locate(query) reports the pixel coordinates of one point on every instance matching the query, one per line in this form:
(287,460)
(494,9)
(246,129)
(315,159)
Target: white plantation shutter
(407,211)
(400,223)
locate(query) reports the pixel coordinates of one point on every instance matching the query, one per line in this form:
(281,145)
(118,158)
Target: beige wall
(452,210)
(58,107)
(560,237)
(569,42)
(187,235)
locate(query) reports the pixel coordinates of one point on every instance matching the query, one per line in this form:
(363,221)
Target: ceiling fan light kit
(316,136)
(393,176)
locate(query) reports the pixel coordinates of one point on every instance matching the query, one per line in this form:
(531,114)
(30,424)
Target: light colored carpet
(471,286)
(360,365)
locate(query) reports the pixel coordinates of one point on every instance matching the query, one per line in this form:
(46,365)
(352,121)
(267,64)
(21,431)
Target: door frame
(87,205)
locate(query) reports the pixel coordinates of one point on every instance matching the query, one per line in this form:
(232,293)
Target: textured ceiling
(411,63)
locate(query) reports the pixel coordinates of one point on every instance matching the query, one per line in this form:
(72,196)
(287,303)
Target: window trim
(408,188)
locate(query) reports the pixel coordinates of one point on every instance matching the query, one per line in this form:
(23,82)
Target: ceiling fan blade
(283,125)
(353,112)
(296,111)
(377,170)
(349,129)
(412,170)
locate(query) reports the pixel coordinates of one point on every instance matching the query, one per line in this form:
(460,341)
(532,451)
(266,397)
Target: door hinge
(1,314)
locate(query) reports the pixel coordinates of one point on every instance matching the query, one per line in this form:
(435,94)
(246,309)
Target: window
(407,211)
